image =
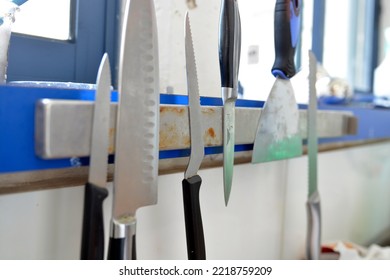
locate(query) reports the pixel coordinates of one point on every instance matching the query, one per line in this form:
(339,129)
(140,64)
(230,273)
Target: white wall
(265,219)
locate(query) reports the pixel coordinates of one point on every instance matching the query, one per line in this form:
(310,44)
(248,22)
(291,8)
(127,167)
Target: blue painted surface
(373,123)
(17,106)
(19,2)
(75,60)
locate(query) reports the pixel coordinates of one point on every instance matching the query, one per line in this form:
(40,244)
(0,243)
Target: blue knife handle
(286,34)
(92,241)
(229,43)
(193,219)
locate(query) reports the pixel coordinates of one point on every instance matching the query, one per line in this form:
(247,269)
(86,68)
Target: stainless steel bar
(63,127)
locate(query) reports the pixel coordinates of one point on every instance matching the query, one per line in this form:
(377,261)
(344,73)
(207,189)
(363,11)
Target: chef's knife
(92,244)
(313,240)
(137,138)
(278,135)
(192,181)
(229,60)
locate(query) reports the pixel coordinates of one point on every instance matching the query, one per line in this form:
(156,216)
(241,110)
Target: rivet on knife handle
(229,59)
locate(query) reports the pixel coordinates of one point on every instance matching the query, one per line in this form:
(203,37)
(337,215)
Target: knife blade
(137,139)
(313,205)
(192,181)
(229,60)
(92,240)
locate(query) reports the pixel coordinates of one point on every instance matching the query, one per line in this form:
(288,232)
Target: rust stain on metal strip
(111,134)
(208,110)
(171,137)
(211,137)
(173,109)
(211,132)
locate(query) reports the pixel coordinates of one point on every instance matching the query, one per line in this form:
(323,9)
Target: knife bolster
(313,239)
(123,227)
(229,93)
(123,238)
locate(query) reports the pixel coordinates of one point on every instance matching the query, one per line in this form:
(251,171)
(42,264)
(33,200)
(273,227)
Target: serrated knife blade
(195,115)
(192,181)
(313,205)
(137,139)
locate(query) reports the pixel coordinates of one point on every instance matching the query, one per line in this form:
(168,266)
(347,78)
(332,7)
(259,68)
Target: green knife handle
(92,241)
(313,240)
(193,219)
(229,43)
(286,35)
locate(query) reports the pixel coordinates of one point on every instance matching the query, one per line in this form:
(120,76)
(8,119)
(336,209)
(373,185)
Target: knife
(92,244)
(313,240)
(192,181)
(229,60)
(137,138)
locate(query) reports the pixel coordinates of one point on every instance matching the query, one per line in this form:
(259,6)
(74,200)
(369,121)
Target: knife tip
(227,196)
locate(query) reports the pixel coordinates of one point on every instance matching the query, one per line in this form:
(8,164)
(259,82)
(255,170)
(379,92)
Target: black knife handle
(193,219)
(122,242)
(116,248)
(229,43)
(286,35)
(92,241)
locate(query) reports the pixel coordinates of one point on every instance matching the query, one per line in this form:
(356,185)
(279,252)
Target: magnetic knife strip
(50,129)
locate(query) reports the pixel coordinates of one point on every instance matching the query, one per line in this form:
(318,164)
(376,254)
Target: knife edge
(92,240)
(194,110)
(136,164)
(137,134)
(100,126)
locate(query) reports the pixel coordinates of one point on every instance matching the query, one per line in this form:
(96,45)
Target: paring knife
(229,60)
(191,183)
(92,244)
(278,135)
(313,239)
(137,138)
